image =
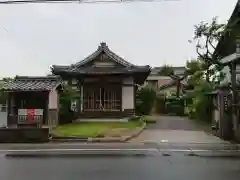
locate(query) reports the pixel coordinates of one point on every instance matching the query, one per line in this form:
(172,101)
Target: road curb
(137,133)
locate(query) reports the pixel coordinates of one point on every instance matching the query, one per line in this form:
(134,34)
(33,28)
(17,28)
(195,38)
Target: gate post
(225,124)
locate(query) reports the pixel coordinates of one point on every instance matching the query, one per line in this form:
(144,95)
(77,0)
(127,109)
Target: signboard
(31,113)
(225,101)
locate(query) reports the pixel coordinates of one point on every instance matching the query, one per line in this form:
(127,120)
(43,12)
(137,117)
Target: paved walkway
(172,129)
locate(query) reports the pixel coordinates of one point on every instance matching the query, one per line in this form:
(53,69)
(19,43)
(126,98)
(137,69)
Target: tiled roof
(103,48)
(26,83)
(178,70)
(107,70)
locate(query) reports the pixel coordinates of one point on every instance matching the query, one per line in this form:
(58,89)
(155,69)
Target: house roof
(227,43)
(34,83)
(103,48)
(105,71)
(140,73)
(178,70)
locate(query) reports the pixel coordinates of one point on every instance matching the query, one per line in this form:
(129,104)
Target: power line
(78,1)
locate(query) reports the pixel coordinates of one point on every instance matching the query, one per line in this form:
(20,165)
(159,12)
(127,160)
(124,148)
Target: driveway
(173,129)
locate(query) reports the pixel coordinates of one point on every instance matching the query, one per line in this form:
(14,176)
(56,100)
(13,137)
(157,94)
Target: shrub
(201,107)
(145,99)
(160,104)
(175,106)
(66,115)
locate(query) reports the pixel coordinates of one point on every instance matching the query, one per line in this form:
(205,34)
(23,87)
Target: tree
(3,95)
(67,95)
(193,66)
(167,70)
(7,79)
(206,36)
(194,69)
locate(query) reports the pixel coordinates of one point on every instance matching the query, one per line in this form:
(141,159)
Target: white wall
(227,78)
(128,94)
(53,100)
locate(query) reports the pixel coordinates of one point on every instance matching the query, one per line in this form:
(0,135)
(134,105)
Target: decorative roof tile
(34,83)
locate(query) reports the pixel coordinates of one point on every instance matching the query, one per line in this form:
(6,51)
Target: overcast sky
(35,36)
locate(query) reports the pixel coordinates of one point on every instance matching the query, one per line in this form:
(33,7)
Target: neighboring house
(3,110)
(33,96)
(228,49)
(165,83)
(107,83)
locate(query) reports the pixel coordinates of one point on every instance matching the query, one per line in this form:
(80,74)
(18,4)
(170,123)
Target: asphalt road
(174,123)
(147,165)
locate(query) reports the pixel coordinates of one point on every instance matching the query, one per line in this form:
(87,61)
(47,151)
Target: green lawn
(91,129)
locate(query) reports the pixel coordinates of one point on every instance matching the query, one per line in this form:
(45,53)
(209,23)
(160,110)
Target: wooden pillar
(121,97)
(81,97)
(234,96)
(226,128)
(9,108)
(46,109)
(135,94)
(58,107)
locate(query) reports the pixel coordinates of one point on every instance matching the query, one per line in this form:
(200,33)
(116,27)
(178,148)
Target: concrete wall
(52,117)
(53,100)
(3,115)
(53,108)
(21,135)
(128,94)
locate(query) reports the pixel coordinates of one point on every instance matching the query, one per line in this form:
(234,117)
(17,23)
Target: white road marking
(75,149)
(164,140)
(124,150)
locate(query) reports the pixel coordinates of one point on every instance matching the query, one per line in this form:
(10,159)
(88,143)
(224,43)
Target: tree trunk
(178,89)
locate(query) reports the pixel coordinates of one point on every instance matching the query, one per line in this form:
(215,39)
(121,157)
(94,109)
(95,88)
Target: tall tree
(206,36)
(194,69)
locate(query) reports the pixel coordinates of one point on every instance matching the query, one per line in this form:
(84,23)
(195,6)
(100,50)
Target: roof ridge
(33,83)
(123,61)
(49,77)
(85,60)
(103,47)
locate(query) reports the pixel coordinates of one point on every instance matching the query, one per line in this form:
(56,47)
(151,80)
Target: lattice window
(102,99)
(111,100)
